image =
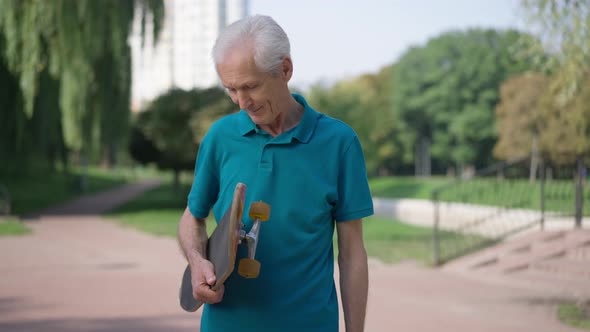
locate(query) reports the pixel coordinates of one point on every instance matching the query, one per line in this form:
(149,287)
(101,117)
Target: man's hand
(203,279)
(192,237)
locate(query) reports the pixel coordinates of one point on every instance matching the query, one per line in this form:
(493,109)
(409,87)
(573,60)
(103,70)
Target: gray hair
(268,40)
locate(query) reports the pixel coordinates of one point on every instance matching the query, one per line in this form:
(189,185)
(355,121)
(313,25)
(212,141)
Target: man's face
(256,92)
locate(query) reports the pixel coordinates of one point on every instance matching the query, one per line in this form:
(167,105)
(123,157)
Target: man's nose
(244,100)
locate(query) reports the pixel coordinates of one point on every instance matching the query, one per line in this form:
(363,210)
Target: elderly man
(309,167)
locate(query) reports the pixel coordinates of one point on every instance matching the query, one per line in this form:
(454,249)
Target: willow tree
(78,51)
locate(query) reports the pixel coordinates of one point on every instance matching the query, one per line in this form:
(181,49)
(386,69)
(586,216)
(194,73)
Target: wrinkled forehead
(237,69)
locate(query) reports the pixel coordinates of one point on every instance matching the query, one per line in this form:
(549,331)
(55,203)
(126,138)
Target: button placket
(266,157)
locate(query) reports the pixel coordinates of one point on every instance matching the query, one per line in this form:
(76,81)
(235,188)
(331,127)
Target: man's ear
(287,69)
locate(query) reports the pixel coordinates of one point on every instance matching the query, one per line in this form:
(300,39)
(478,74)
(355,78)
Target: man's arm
(192,237)
(354,275)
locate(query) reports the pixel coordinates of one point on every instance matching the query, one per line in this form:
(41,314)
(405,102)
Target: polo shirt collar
(245,124)
(306,127)
(302,132)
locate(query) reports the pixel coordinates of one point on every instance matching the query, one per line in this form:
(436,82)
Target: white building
(182,57)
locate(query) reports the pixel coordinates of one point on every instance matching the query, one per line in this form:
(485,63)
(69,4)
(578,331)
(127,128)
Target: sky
(338,39)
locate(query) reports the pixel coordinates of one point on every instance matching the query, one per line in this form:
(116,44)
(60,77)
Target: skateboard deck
(221,250)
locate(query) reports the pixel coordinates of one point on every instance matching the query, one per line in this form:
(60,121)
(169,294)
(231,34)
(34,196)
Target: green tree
(446,93)
(518,118)
(71,60)
(10,121)
(174,125)
(565,129)
(364,103)
(564,29)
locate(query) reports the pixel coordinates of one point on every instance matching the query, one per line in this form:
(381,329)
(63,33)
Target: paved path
(458,215)
(97,203)
(85,273)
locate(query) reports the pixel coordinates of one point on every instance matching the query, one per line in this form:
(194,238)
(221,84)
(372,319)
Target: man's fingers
(203,279)
(209,275)
(218,295)
(205,294)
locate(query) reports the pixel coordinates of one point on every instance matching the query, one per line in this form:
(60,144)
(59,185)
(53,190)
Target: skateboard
(223,245)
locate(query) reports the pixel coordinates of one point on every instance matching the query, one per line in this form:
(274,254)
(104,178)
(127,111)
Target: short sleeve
(354,196)
(205,187)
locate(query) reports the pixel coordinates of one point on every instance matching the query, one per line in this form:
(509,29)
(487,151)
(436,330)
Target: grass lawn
(405,187)
(156,222)
(158,211)
(38,190)
(509,193)
(11,227)
(391,241)
(519,193)
(575,315)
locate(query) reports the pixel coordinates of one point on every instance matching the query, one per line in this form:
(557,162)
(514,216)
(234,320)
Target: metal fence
(502,200)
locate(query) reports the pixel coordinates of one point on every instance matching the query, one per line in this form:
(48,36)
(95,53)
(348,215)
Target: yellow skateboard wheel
(259,210)
(249,268)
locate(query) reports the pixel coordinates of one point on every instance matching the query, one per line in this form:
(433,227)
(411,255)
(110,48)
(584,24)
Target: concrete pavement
(457,215)
(85,273)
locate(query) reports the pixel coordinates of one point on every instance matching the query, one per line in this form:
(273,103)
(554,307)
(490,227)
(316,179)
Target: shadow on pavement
(14,305)
(129,324)
(97,203)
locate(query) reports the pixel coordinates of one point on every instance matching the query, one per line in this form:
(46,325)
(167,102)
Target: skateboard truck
(250,267)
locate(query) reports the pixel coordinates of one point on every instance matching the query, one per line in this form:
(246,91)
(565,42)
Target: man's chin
(257,119)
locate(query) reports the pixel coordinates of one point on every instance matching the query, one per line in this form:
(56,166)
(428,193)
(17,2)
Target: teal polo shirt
(312,176)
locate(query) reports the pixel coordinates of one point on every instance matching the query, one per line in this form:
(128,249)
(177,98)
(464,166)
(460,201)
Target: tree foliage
(168,132)
(518,115)
(446,93)
(564,29)
(71,60)
(364,103)
(565,130)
